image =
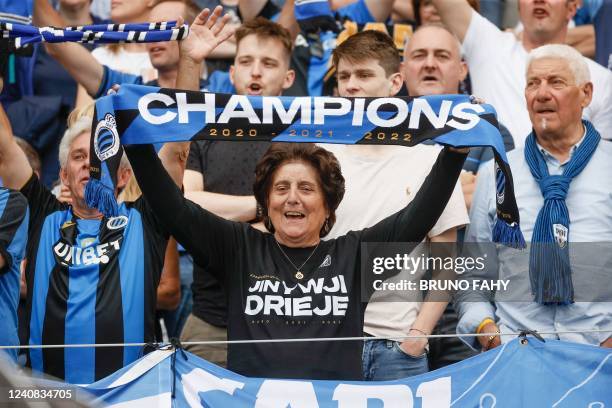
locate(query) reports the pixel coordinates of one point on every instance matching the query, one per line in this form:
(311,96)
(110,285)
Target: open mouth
(430,78)
(545,110)
(254,89)
(540,12)
(294,215)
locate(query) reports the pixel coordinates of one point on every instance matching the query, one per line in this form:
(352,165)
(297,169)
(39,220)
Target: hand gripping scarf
(20,35)
(143,115)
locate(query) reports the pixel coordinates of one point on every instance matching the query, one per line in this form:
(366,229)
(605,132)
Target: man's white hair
(569,54)
(83,124)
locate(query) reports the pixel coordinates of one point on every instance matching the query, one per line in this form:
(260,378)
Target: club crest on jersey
(115,223)
(106,139)
(500,185)
(560,232)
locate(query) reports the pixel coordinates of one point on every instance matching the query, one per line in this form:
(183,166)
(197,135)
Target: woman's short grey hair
(83,124)
(574,60)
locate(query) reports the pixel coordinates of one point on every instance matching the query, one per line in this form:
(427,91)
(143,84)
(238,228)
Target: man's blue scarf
(19,35)
(143,115)
(550,271)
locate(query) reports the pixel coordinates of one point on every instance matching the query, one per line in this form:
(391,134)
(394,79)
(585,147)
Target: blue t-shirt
(13,237)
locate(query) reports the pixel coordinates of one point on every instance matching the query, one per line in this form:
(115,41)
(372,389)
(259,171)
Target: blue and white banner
(535,374)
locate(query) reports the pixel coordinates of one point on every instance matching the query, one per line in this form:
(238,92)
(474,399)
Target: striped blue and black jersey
(89,282)
(312,55)
(13,237)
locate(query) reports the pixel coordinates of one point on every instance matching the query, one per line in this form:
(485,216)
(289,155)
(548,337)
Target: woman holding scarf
(289,284)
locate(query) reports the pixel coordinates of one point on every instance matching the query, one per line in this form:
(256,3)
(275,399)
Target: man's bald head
(432,62)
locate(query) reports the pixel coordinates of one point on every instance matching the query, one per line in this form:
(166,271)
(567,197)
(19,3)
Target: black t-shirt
(265,300)
(89,281)
(227,168)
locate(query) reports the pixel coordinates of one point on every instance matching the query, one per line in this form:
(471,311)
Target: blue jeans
(384,360)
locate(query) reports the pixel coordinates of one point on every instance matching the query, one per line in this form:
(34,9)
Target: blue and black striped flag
(20,35)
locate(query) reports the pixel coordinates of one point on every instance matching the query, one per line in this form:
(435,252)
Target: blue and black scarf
(550,271)
(20,35)
(143,115)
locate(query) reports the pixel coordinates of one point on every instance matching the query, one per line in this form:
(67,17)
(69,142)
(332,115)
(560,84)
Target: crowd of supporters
(212,222)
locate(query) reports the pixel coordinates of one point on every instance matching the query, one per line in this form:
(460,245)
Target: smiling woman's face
(296,204)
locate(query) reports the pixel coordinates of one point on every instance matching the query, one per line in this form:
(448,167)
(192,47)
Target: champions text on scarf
(142,115)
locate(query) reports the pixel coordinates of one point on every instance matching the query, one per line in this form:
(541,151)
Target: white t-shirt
(135,63)
(380,185)
(497,62)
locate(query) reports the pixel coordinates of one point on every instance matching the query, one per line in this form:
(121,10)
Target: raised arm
(189,224)
(231,207)
(287,19)
(235,208)
(206,33)
(15,169)
(380,9)
(75,58)
(583,39)
(249,9)
(204,235)
(413,222)
(456,14)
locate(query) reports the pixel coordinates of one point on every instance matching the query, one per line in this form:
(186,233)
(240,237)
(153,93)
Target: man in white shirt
(567,149)
(497,59)
(380,180)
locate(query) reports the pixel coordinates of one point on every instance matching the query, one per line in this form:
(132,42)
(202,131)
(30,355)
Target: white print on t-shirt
(326,262)
(278,298)
(75,256)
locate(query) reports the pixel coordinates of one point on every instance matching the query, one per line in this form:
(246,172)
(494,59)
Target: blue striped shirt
(13,236)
